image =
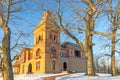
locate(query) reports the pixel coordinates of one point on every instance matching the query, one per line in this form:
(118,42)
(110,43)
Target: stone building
(47,55)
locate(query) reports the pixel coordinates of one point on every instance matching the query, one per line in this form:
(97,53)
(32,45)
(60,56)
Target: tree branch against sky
(81,16)
(74,17)
(89,18)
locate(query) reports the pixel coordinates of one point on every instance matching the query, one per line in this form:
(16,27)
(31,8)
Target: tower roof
(47,18)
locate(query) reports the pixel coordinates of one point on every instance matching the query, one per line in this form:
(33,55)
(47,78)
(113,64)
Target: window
(63,53)
(55,40)
(28,56)
(53,65)
(39,38)
(23,57)
(38,53)
(38,65)
(23,69)
(77,53)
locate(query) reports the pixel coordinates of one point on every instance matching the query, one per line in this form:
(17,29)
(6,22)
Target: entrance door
(64,66)
(29,68)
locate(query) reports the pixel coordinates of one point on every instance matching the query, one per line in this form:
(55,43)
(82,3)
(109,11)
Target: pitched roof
(47,18)
(69,43)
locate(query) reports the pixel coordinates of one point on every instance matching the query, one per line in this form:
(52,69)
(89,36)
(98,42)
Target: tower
(47,45)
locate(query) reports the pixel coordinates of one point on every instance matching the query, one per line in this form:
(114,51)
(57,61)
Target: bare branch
(16,42)
(17,2)
(95,16)
(117,40)
(65,30)
(103,33)
(117,51)
(14,58)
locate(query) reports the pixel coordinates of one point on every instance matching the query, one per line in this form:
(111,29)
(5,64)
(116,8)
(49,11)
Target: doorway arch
(64,66)
(30,68)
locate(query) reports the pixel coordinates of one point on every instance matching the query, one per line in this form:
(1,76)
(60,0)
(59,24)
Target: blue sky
(31,17)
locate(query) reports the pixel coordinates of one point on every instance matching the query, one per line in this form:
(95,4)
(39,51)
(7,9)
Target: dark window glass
(55,40)
(77,53)
(53,65)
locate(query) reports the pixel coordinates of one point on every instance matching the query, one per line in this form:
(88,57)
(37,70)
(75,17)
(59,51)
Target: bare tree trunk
(113,70)
(89,55)
(8,72)
(89,44)
(90,66)
(115,20)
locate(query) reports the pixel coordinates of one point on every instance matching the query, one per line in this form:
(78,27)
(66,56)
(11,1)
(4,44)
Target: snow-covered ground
(33,76)
(81,76)
(77,76)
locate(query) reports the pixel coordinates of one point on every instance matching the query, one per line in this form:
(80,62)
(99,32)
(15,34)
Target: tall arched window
(38,53)
(28,56)
(55,39)
(53,64)
(39,38)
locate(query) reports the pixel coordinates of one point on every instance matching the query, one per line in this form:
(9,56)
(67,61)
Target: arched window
(53,64)
(39,38)
(28,56)
(38,52)
(55,39)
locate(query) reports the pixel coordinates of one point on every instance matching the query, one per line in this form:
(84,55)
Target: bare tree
(89,18)
(113,17)
(90,15)
(6,8)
